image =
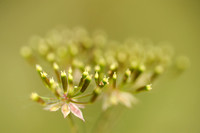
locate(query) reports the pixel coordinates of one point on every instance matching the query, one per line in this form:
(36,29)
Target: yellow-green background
(172,107)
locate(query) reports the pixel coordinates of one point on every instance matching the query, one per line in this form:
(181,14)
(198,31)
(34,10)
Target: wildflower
(67,106)
(116,96)
(119,70)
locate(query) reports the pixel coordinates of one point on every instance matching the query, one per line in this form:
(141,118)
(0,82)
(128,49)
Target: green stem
(80,102)
(73,126)
(107,120)
(77,97)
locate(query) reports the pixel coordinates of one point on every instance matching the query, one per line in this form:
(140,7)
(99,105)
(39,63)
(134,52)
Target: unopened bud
(45,79)
(56,69)
(64,81)
(105,81)
(35,97)
(114,79)
(145,88)
(38,68)
(86,83)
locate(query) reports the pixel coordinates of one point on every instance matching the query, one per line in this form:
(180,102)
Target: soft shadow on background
(172,107)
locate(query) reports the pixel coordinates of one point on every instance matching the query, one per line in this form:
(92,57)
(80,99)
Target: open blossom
(116,96)
(66,108)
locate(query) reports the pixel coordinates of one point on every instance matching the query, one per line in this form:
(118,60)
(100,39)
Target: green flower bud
(56,70)
(39,68)
(114,79)
(86,83)
(64,81)
(45,79)
(145,88)
(35,97)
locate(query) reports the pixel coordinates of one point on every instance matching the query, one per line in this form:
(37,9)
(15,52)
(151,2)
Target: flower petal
(65,110)
(106,102)
(53,107)
(127,99)
(76,111)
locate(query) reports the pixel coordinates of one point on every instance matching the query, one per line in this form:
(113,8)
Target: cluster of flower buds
(119,70)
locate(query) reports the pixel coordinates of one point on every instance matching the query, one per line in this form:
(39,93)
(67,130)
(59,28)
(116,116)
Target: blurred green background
(172,107)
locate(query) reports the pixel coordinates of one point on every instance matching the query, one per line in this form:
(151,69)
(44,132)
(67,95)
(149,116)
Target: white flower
(115,97)
(66,108)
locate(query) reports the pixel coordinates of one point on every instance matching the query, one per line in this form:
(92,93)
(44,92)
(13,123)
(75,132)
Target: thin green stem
(77,97)
(80,102)
(73,126)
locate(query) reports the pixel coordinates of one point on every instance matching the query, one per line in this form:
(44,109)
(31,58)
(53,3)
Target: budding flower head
(51,81)
(34,96)
(105,80)
(63,74)
(96,76)
(55,66)
(70,78)
(128,72)
(85,73)
(38,68)
(149,87)
(115,76)
(43,74)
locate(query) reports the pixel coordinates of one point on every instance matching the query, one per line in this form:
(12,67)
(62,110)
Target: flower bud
(84,75)
(39,68)
(45,79)
(145,88)
(104,82)
(96,77)
(126,75)
(139,71)
(114,79)
(35,97)
(86,83)
(56,69)
(64,81)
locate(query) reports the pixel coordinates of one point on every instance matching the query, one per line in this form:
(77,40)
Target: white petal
(127,99)
(76,111)
(113,98)
(53,107)
(65,110)
(106,102)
